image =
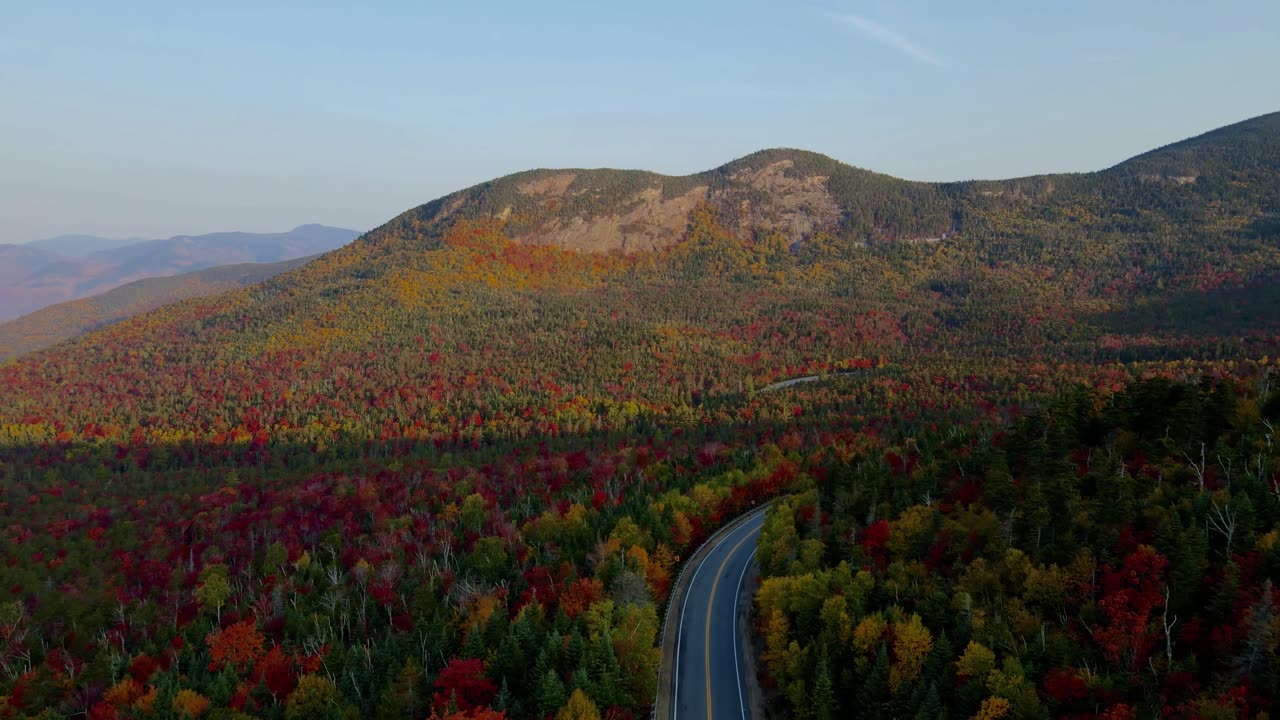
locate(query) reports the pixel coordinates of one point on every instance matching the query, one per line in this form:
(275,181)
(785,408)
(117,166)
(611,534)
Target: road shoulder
(747,639)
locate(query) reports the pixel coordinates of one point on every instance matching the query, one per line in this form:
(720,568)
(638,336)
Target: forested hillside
(55,323)
(452,468)
(1108,555)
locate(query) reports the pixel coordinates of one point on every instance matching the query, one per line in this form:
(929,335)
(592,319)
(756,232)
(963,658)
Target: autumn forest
(452,469)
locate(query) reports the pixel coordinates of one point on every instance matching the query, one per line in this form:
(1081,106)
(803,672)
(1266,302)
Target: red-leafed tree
(463,684)
(1131,594)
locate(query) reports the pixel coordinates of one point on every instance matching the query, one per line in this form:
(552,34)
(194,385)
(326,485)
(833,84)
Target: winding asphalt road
(708,681)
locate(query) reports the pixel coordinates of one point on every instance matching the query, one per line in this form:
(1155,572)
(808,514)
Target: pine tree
(931,706)
(874,692)
(475,647)
(580,681)
(606,676)
(403,696)
(502,701)
(551,693)
(908,699)
(824,697)
(937,667)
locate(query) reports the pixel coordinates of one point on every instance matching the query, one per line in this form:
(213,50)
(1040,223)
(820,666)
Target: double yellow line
(706,641)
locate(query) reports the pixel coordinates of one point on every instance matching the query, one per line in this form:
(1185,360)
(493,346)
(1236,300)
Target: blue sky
(153,118)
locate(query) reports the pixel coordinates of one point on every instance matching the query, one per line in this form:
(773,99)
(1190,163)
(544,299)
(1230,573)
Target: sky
(153,119)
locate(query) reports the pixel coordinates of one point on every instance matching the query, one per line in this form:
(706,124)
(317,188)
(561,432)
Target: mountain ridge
(605,209)
(79,245)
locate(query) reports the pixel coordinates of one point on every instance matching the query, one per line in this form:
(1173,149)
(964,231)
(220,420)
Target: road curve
(707,679)
(806,379)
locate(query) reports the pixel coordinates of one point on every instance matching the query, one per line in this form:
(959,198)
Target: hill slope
(53,324)
(56,278)
(457,461)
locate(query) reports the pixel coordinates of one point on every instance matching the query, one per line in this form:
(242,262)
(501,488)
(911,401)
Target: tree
(214,589)
(777,636)
(463,683)
(874,691)
(550,693)
(1262,633)
(634,636)
(993,708)
(237,646)
(190,704)
(478,714)
(315,697)
(824,696)
(976,661)
(931,706)
(912,642)
(578,707)
(1131,594)
(403,696)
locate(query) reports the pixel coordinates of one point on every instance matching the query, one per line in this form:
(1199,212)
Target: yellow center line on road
(706,642)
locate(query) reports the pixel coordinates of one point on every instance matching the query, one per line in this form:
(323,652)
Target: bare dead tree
(1223,520)
(1168,629)
(1259,636)
(1198,468)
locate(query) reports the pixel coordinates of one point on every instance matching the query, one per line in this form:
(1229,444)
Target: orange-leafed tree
(237,646)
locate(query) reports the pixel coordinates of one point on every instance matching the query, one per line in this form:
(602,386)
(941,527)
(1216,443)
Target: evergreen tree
(824,697)
(551,693)
(874,692)
(931,706)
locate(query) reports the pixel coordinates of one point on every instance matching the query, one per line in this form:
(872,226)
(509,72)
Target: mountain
(1005,265)
(1063,266)
(792,192)
(17,262)
(56,323)
(797,193)
(459,460)
(80,245)
(43,279)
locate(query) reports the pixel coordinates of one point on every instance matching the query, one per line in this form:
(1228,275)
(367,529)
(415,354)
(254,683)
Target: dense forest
(447,472)
(1110,554)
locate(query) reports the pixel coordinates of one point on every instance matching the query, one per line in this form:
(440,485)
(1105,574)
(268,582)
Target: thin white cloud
(895,40)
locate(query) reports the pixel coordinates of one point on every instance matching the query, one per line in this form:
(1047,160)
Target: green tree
(874,692)
(551,693)
(824,695)
(214,589)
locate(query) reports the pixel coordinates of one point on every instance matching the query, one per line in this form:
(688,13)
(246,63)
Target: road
(806,379)
(708,680)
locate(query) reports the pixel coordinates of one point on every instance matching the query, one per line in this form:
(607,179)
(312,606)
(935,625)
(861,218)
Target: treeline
(1109,555)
